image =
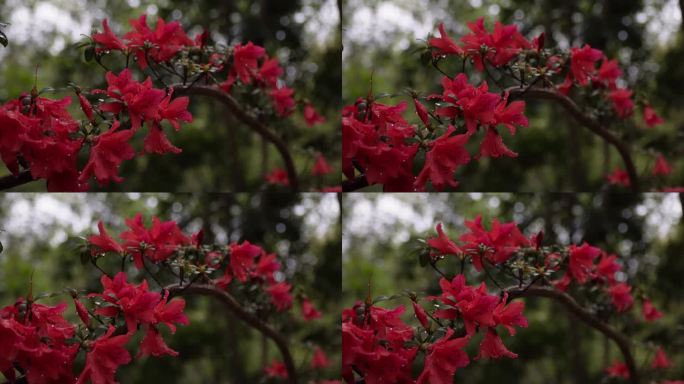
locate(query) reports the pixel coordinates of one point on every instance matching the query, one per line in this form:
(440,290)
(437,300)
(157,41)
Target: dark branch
(582,314)
(249,319)
(591,124)
(354,184)
(246,118)
(11,181)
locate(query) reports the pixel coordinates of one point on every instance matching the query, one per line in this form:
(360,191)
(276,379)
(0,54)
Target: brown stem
(354,184)
(250,319)
(582,314)
(11,181)
(591,124)
(246,118)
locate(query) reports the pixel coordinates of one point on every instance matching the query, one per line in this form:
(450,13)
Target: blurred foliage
(41,233)
(646,231)
(219,152)
(388,54)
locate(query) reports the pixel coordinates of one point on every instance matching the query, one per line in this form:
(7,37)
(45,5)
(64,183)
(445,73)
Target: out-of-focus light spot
(152,9)
(134,3)
(280,35)
(622,35)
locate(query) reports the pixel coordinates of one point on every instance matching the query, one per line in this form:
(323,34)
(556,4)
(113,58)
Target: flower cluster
(378,344)
(382,147)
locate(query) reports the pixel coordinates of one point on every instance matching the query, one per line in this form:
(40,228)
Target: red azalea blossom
(105,356)
(492,347)
(607,267)
(622,102)
(621,296)
(442,244)
(82,312)
(661,166)
(510,315)
(422,112)
(280,296)
(660,361)
(308,311)
(319,359)
(618,369)
(443,44)
(103,242)
(311,116)
(420,315)
(649,311)
(583,63)
(155,244)
(107,39)
(321,167)
(651,118)
(581,261)
(284,103)
(278,176)
(619,177)
(160,44)
(276,369)
(444,357)
(109,151)
(245,60)
(445,155)
(493,146)
(608,73)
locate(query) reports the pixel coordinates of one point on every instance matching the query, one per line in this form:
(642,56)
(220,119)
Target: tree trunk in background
(576,355)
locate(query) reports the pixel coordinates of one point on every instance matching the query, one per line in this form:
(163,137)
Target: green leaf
(89,54)
(426,58)
(424,259)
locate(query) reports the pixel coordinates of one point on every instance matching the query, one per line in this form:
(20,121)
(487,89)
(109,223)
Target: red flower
(85,106)
(319,360)
(660,360)
(607,267)
(311,117)
(321,167)
(153,344)
(175,111)
(442,244)
(621,296)
(103,242)
(280,296)
(108,40)
(649,311)
(422,112)
(308,311)
(618,369)
(157,142)
(156,244)
(110,150)
(420,315)
(443,359)
(135,302)
(266,266)
(622,102)
(583,63)
(170,313)
(609,72)
(493,146)
(276,369)
(160,44)
(651,118)
(499,47)
(492,347)
(499,243)
(510,315)
(82,312)
(245,60)
(661,166)
(141,100)
(270,71)
(282,98)
(510,115)
(443,44)
(619,177)
(105,356)
(278,176)
(242,258)
(582,261)
(445,155)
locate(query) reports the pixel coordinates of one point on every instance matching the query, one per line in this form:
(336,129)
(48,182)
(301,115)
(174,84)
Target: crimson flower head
(619,177)
(110,150)
(308,311)
(609,72)
(443,44)
(622,102)
(442,244)
(492,347)
(107,39)
(311,116)
(618,369)
(321,167)
(276,369)
(607,267)
(104,357)
(278,176)
(651,118)
(270,71)
(280,296)
(103,242)
(422,112)
(156,243)
(444,357)
(621,296)
(420,315)
(283,101)
(242,259)
(583,63)
(649,311)
(493,146)
(245,60)
(319,359)
(582,261)
(160,44)
(661,166)
(446,154)
(510,315)
(660,360)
